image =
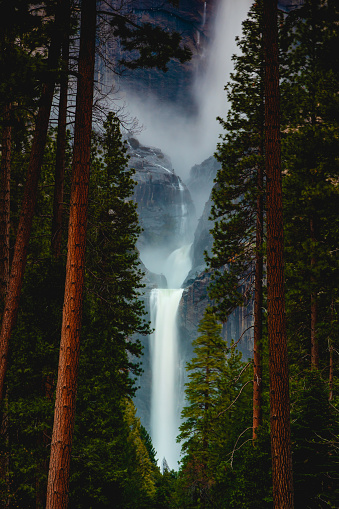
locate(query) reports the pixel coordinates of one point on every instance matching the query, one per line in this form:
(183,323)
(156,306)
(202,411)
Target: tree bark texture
(61,142)
(278,362)
(5,194)
(59,469)
(258,302)
(28,203)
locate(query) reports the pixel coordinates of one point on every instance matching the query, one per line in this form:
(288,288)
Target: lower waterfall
(166,397)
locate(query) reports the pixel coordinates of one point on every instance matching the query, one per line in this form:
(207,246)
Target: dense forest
(255,434)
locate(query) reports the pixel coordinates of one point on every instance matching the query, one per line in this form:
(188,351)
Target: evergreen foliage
(311,193)
(236,190)
(105,452)
(315,432)
(148,45)
(112,314)
(210,420)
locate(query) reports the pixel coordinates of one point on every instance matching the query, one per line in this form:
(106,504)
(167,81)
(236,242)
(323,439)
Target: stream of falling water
(187,142)
(166,398)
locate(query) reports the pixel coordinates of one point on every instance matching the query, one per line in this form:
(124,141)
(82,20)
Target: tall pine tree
(238,208)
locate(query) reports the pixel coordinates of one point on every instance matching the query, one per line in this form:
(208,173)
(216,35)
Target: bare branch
(235,445)
(223,411)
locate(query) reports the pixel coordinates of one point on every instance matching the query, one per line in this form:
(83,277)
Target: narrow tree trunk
(278,362)
(59,469)
(44,443)
(4,458)
(330,397)
(314,339)
(5,192)
(330,347)
(258,302)
(314,306)
(4,273)
(28,204)
(61,142)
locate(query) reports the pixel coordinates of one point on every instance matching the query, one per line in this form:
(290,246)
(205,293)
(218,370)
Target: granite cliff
(165,207)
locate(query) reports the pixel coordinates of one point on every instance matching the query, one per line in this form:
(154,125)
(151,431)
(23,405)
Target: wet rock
(164,202)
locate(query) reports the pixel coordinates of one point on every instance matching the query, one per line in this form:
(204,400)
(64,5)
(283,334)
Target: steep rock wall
(161,196)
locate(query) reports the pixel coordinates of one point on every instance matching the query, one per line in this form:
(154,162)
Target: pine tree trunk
(314,306)
(4,276)
(330,397)
(258,302)
(28,203)
(59,469)
(278,362)
(5,192)
(61,142)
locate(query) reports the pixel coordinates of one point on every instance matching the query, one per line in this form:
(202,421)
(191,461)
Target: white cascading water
(164,351)
(187,142)
(166,398)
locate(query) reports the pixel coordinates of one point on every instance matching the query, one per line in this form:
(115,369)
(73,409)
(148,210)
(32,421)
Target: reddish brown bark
(58,479)
(61,142)
(5,192)
(28,204)
(258,301)
(278,362)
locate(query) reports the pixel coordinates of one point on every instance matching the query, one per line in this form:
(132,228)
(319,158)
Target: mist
(189,140)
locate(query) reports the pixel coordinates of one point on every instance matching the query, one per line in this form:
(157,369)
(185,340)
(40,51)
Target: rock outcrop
(191,19)
(165,206)
(193,303)
(200,182)
(162,201)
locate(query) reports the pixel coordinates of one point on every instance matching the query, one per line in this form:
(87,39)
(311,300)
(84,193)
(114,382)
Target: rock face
(192,306)
(191,18)
(164,206)
(200,182)
(164,202)
(202,242)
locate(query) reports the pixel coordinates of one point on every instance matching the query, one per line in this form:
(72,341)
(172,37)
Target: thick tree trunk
(258,301)
(5,192)
(28,204)
(59,469)
(61,142)
(278,362)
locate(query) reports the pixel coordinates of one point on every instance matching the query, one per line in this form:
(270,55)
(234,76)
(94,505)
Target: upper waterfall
(177,266)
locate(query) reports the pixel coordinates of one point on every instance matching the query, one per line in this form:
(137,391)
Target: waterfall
(166,396)
(177,266)
(165,409)
(188,140)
